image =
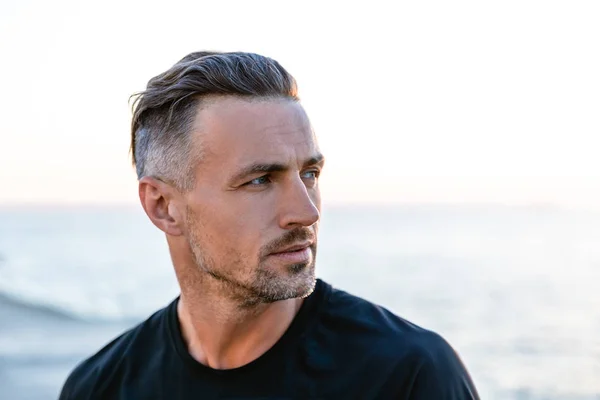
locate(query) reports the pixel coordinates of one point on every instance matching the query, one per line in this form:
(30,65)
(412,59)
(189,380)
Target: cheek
(236,225)
(232,236)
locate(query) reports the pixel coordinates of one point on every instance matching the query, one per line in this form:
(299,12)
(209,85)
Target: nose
(299,206)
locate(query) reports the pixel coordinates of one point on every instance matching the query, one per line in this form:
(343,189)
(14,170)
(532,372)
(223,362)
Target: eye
(261,180)
(310,174)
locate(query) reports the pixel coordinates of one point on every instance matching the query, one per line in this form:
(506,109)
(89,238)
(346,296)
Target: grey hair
(164,114)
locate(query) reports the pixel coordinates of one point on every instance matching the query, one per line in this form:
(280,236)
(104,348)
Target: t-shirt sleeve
(72,389)
(441,374)
(80,384)
(68,390)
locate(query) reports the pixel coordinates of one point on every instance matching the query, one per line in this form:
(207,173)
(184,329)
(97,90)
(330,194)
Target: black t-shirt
(338,346)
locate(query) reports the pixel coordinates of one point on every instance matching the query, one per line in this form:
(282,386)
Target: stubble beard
(260,284)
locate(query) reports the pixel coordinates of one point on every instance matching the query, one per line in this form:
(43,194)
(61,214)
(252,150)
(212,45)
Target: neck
(221,334)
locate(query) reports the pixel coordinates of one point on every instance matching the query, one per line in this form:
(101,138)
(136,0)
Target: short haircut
(164,113)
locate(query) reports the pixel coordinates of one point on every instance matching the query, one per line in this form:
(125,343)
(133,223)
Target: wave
(12,304)
(9,303)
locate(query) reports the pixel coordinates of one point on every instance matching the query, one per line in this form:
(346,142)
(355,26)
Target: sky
(460,102)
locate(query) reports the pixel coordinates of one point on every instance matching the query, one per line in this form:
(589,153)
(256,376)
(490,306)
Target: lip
(293,248)
(296,255)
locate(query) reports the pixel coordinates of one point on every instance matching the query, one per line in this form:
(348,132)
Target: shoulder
(92,377)
(358,317)
(437,372)
(411,358)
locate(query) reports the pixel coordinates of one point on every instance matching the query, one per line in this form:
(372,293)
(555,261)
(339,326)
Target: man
(228,169)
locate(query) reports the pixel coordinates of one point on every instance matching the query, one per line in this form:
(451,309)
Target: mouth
(291,249)
(299,253)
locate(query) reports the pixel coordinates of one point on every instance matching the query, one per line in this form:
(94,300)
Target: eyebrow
(257,168)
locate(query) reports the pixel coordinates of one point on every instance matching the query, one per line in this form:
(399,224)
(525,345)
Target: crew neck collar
(301,323)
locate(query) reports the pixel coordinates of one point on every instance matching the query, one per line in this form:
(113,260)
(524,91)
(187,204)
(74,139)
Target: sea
(514,289)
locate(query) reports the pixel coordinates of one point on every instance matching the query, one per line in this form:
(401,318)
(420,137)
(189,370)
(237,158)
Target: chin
(304,282)
(297,281)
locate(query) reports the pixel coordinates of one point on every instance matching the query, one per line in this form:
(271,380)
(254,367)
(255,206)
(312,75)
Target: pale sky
(447,101)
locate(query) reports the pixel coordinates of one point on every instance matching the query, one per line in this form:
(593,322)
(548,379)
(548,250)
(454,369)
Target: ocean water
(516,291)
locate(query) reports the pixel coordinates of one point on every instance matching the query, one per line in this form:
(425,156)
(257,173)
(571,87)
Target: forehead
(233,130)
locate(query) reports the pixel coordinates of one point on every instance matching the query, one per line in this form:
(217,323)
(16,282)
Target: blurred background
(462,186)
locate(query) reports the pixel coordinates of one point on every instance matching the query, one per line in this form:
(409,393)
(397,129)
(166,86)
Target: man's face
(252,218)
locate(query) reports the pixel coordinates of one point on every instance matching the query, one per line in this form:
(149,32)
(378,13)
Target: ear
(159,200)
